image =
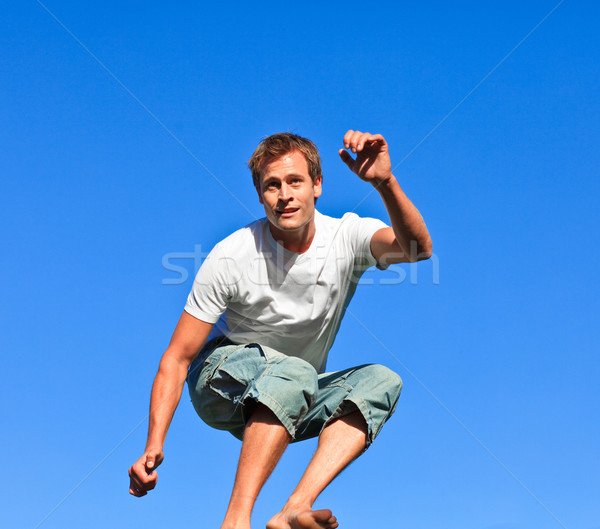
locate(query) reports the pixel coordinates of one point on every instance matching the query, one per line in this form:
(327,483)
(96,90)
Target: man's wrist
(384,182)
(154,445)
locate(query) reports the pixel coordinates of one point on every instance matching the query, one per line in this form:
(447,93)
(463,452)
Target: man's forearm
(166,393)
(409,228)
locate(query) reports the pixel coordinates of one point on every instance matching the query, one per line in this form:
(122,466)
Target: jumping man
(262,315)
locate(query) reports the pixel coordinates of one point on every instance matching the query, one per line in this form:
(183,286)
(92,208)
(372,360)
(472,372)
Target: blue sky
(132,150)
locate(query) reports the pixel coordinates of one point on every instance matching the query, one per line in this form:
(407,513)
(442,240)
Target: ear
(317,187)
(260,198)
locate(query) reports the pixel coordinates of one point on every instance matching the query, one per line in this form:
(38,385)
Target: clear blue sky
(105,171)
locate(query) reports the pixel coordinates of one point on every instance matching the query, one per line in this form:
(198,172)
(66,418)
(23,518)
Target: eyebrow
(277,179)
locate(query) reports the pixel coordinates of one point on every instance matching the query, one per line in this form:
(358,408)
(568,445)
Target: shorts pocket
(212,363)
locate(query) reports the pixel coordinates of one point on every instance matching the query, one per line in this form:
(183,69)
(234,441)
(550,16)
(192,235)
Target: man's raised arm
(188,338)
(408,239)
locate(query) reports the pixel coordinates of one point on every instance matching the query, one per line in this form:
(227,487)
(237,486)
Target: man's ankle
(235,524)
(298,503)
(236,520)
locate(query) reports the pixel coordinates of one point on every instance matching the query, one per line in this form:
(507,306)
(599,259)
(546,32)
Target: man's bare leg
(265,440)
(340,443)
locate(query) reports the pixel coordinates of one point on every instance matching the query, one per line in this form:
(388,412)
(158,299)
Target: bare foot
(299,518)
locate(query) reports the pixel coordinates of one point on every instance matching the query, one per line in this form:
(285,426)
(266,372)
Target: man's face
(288,193)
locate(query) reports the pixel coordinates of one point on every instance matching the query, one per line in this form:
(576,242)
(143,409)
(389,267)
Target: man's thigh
(226,381)
(371,389)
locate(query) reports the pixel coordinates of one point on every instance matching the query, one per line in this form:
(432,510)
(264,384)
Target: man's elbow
(420,251)
(177,357)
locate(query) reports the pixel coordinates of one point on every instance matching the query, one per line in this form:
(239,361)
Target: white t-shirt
(259,292)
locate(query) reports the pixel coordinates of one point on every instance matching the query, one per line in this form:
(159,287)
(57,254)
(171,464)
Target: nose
(285,193)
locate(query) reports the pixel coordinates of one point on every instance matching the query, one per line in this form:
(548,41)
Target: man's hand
(372,162)
(408,239)
(188,338)
(142,474)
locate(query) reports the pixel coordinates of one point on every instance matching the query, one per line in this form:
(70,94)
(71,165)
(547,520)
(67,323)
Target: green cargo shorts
(226,380)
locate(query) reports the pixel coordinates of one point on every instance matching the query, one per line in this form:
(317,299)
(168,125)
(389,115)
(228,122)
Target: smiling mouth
(287,212)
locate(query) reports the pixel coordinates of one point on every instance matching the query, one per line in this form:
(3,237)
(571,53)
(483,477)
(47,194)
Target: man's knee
(383,377)
(378,393)
(379,385)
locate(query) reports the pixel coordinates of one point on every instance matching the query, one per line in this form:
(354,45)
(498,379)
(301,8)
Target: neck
(297,241)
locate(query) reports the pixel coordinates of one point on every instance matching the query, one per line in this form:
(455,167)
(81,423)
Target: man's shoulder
(349,229)
(245,238)
(347,220)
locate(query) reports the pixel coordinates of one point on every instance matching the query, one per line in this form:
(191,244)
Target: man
(273,295)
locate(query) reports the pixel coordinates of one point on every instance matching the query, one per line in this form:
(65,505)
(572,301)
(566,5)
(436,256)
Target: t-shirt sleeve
(212,288)
(361,230)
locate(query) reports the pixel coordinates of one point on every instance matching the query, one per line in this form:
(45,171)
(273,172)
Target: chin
(288,227)
(288,224)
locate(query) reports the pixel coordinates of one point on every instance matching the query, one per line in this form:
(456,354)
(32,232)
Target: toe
(323,515)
